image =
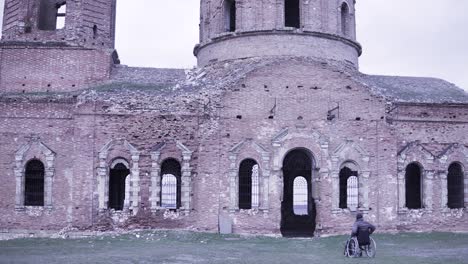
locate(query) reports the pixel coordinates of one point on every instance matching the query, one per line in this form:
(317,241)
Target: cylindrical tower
(235,29)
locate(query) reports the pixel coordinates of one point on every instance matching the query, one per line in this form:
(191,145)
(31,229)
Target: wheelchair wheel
(352,248)
(371,248)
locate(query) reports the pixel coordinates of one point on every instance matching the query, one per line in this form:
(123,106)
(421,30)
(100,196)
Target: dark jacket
(360,224)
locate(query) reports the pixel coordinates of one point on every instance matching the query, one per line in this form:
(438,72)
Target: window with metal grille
(34,183)
(292,13)
(455,186)
(344,19)
(255,187)
(230,15)
(117,177)
(413,186)
(349,195)
(248,184)
(171,184)
(352,192)
(300,196)
(169,191)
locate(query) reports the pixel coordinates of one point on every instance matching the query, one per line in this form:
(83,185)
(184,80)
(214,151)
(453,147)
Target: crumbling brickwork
(37,56)
(261,107)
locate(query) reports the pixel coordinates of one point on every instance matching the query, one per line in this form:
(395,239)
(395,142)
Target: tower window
(34,183)
(230,15)
(345,19)
(413,187)
(455,186)
(171,184)
(292,16)
(52,15)
(61,14)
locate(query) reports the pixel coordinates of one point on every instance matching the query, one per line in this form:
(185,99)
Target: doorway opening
(298,207)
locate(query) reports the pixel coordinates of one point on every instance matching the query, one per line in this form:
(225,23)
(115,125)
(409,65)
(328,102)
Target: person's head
(359,216)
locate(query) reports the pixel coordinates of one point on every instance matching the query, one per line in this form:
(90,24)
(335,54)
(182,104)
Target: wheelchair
(356,245)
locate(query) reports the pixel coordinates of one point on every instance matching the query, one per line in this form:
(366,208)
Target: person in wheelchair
(362,231)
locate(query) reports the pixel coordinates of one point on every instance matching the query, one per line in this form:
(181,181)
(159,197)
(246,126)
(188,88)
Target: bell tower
(235,29)
(56,45)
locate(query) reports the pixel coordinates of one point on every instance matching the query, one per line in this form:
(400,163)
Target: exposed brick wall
(318,16)
(51,69)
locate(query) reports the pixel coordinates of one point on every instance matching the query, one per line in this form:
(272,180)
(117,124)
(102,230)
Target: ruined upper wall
(88,23)
(56,45)
(232,29)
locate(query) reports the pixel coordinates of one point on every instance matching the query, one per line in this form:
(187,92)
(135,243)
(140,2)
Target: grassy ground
(186,247)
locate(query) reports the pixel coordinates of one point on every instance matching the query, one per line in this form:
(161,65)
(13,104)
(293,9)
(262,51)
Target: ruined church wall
(298,97)
(51,124)
(294,95)
(438,137)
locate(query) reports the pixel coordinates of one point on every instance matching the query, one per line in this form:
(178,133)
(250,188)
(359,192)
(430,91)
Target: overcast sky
(408,37)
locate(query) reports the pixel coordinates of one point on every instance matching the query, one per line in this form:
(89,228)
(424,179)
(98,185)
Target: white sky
(399,37)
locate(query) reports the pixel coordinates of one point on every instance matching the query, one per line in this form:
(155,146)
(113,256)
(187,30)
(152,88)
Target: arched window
(300,196)
(292,16)
(118,174)
(413,186)
(230,15)
(349,189)
(455,186)
(248,184)
(345,19)
(171,184)
(34,183)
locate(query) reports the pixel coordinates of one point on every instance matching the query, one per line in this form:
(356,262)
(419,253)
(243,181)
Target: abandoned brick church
(274,132)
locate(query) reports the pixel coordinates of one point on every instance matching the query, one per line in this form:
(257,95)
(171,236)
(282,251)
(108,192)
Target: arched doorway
(298,207)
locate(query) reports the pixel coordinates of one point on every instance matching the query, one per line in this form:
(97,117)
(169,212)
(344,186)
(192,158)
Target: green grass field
(188,247)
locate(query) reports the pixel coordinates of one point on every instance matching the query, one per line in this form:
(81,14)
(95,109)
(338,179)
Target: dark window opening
(246,170)
(171,184)
(344,19)
(455,186)
(413,187)
(117,177)
(34,183)
(292,16)
(345,174)
(230,15)
(95,31)
(52,15)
